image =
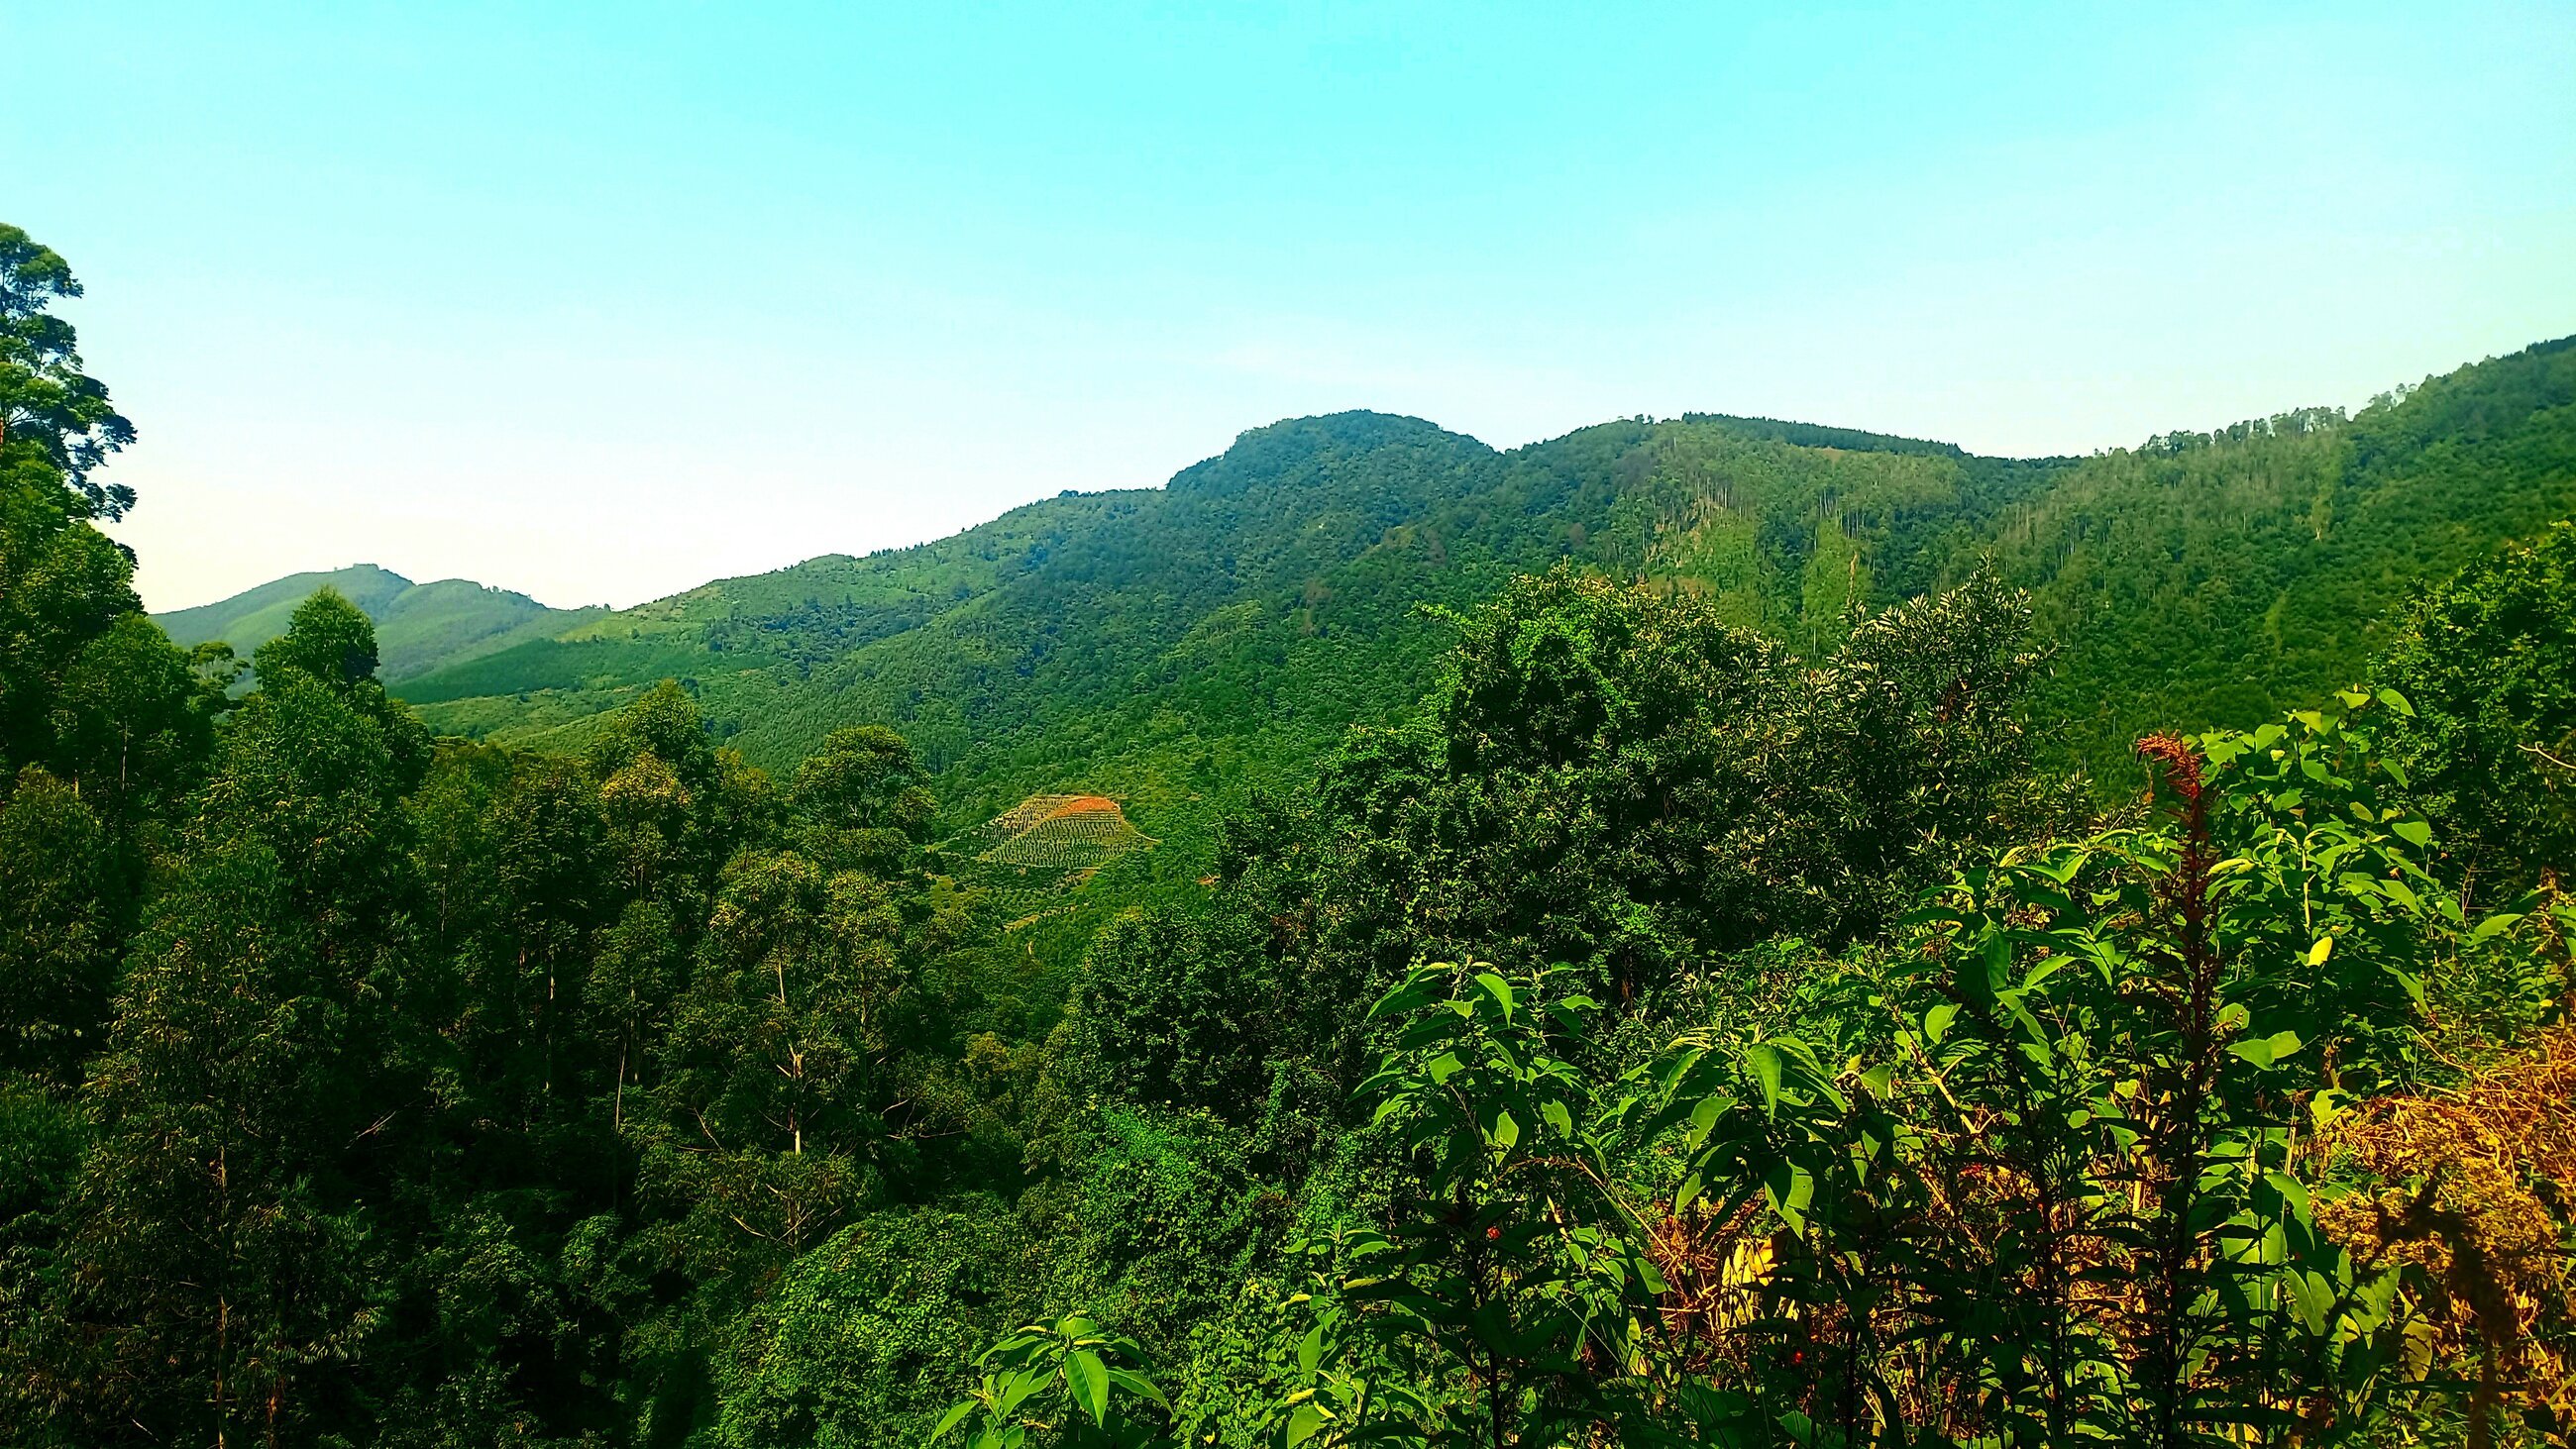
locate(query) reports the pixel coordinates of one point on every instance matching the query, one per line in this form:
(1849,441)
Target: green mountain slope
(419,627)
(1171,646)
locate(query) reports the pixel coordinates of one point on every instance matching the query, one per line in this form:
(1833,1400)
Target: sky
(601,302)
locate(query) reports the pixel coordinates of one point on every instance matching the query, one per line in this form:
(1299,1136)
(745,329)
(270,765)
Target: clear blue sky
(600,302)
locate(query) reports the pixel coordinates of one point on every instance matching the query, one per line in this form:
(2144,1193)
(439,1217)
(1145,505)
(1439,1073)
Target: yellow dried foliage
(2473,1188)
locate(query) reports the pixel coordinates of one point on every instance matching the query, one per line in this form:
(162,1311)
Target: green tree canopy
(54,418)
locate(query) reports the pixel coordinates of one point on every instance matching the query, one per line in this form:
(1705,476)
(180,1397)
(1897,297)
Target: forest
(1704,932)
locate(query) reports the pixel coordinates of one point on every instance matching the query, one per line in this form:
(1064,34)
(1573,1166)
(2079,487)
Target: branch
(2553,759)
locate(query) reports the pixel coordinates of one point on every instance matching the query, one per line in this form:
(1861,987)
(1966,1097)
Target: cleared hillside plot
(1056,833)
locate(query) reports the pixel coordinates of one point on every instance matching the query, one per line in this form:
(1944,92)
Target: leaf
(1088,1377)
(1497,988)
(1445,1066)
(2495,924)
(2293,1193)
(2318,953)
(2414,832)
(1303,1424)
(1137,1384)
(1018,1387)
(2413,983)
(1764,1059)
(1936,1022)
(2268,1050)
(956,1415)
(1506,1131)
(2397,702)
(1557,1117)
(1687,1193)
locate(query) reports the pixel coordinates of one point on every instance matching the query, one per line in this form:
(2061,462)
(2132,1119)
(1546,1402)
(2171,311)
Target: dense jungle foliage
(1672,992)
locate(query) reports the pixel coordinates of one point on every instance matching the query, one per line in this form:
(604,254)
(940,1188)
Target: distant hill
(419,627)
(1170,647)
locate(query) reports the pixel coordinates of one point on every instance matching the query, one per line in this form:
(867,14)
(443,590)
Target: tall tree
(256,1084)
(54,418)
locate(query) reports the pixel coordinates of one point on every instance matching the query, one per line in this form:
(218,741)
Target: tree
(59,936)
(768,1132)
(327,640)
(2488,662)
(54,419)
(1181,1011)
(132,722)
(860,803)
(260,1086)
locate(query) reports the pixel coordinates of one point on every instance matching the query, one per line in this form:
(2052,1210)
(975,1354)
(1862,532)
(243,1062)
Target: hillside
(1171,646)
(419,627)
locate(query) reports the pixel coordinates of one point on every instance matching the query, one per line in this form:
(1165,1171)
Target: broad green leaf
(2496,924)
(1137,1384)
(1088,1377)
(2413,832)
(956,1415)
(1303,1424)
(2292,1191)
(1506,1131)
(1497,988)
(1764,1060)
(1936,1022)
(1557,1117)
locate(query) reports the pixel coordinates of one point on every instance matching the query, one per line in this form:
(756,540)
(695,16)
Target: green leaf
(1764,1060)
(956,1415)
(1687,1193)
(1018,1387)
(2413,983)
(2258,1052)
(1497,988)
(2293,1193)
(1506,1131)
(1445,1066)
(2414,832)
(2397,702)
(2495,924)
(2268,1050)
(1936,1022)
(1303,1424)
(1557,1117)
(1137,1384)
(1088,1377)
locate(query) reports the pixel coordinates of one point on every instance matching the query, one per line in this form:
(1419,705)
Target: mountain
(1170,647)
(419,627)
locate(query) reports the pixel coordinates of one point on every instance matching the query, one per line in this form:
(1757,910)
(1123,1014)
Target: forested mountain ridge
(1169,645)
(419,627)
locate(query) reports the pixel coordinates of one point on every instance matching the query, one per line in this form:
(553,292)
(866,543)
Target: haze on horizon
(604,303)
